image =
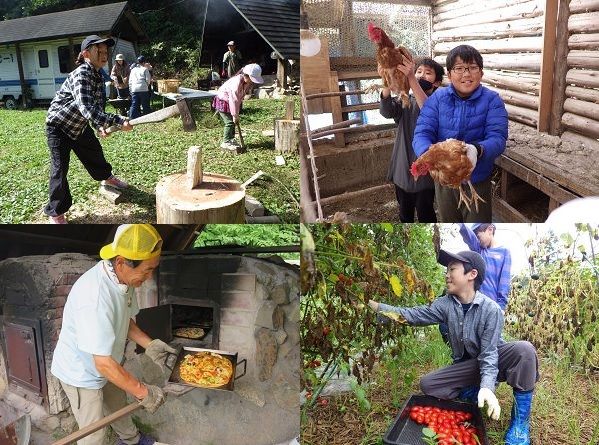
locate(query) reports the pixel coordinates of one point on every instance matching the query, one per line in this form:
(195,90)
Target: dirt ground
(564,161)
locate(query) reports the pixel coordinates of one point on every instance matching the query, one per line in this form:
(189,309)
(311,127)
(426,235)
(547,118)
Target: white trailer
(46,65)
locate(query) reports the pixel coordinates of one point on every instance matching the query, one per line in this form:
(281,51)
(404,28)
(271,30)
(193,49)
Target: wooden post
(289,109)
(336,108)
(561,70)
(282,73)
(24,86)
(547,65)
(194,166)
(287,135)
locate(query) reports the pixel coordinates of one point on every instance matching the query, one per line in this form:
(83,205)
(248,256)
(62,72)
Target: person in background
(412,196)
(78,103)
(231,60)
(96,323)
(228,102)
(120,76)
(139,86)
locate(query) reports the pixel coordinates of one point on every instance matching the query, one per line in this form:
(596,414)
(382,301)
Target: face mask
(425,84)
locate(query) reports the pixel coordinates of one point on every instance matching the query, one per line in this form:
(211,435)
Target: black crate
(404,431)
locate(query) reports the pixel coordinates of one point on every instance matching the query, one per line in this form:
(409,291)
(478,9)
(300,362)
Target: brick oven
(245,305)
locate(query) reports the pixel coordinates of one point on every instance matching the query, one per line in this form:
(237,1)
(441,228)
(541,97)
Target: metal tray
(173,361)
(404,431)
(205,329)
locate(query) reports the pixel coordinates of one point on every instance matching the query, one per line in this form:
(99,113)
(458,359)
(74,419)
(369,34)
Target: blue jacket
(481,118)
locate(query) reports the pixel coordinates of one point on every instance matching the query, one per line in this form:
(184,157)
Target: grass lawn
(142,157)
(565,406)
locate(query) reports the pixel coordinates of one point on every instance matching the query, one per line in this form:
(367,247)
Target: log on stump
(199,197)
(287,135)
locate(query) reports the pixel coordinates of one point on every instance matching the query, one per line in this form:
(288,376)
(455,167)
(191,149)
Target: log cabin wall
(524,44)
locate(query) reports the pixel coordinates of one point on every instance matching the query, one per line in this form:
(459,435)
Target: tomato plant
(342,268)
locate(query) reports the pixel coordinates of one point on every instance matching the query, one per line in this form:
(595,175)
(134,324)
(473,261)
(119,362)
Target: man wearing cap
(77,104)
(96,322)
(120,76)
(231,60)
(139,85)
(228,101)
(480,357)
(498,261)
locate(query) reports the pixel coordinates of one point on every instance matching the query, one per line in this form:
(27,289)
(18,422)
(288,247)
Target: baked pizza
(206,369)
(193,333)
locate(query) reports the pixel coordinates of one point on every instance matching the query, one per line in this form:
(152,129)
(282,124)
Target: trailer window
(42,56)
(65,56)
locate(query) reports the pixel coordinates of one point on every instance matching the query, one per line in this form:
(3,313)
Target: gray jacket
(478,332)
(403,154)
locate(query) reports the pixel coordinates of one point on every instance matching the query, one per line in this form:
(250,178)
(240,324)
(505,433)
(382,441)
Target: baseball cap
(466,256)
(94,40)
(141,59)
(231,43)
(481,226)
(254,71)
(134,242)
(119,57)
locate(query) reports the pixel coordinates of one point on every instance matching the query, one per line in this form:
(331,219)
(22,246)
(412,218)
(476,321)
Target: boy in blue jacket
(469,112)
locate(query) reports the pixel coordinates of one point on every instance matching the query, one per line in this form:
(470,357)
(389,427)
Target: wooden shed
(38,52)
(542,57)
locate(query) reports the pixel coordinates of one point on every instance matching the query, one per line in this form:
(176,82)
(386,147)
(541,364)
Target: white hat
(119,57)
(254,71)
(231,43)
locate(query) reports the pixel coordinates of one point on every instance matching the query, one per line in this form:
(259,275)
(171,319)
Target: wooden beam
(586,22)
(588,78)
(336,108)
(357,75)
(547,65)
(583,59)
(523,115)
(561,70)
(506,213)
(360,107)
(513,28)
(583,125)
(282,73)
(584,41)
(24,86)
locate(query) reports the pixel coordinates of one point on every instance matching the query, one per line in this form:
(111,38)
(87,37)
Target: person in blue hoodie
(469,112)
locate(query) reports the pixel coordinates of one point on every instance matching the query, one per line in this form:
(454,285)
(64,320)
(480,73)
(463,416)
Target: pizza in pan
(206,369)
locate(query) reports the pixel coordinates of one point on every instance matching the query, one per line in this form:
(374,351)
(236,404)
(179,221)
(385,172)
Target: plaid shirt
(478,332)
(78,101)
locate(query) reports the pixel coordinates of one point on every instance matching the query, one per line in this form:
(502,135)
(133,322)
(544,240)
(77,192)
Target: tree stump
(287,135)
(199,197)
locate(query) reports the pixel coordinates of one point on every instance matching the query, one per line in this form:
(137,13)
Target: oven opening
(192,325)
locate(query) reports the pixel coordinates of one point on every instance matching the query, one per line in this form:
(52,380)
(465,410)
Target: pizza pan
(174,360)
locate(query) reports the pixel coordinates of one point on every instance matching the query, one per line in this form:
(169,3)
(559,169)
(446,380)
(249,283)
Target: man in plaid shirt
(75,105)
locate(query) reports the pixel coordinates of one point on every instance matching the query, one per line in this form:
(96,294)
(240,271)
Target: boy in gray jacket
(480,357)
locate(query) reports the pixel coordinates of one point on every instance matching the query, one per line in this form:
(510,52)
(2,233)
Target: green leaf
(387,227)
(396,285)
(428,432)
(334,278)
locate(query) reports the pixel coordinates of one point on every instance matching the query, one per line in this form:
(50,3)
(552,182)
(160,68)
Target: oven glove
(158,351)
(154,399)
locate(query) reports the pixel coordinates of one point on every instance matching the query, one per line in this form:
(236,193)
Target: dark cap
(467,256)
(479,227)
(94,40)
(141,59)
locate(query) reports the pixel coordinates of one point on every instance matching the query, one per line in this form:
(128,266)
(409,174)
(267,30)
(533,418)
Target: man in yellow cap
(96,323)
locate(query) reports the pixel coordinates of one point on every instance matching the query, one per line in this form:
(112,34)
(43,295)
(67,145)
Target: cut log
(582,108)
(524,115)
(516,81)
(218,199)
(522,61)
(583,59)
(509,45)
(516,98)
(112,194)
(466,7)
(577,6)
(579,93)
(584,78)
(287,135)
(583,125)
(584,41)
(513,28)
(194,166)
(586,22)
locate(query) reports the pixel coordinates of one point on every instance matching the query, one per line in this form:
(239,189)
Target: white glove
(485,395)
(472,154)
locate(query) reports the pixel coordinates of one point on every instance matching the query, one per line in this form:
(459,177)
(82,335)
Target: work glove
(374,305)
(158,351)
(154,399)
(485,395)
(472,154)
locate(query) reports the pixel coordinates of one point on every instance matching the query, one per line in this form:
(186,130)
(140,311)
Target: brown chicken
(388,57)
(448,165)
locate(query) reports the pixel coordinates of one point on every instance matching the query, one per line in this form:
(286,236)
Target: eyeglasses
(474,69)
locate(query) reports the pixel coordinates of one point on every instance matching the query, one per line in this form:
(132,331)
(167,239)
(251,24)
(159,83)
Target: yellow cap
(134,242)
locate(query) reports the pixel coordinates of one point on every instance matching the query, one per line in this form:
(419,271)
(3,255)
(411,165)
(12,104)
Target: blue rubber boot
(518,431)
(469,394)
